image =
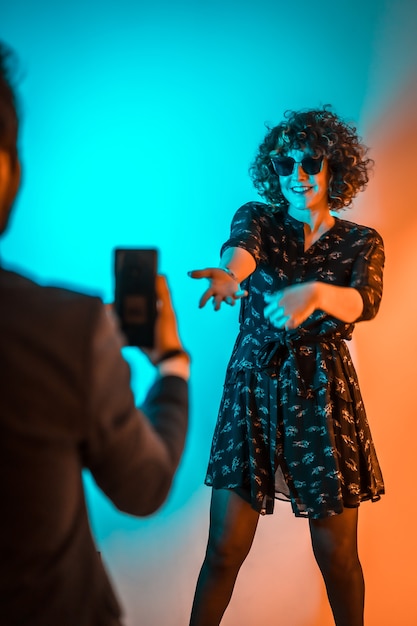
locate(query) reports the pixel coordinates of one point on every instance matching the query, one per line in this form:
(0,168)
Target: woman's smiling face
(302,190)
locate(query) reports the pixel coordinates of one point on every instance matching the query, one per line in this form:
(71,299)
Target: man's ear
(10,172)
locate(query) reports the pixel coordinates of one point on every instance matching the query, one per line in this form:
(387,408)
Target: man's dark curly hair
(324,133)
(9,123)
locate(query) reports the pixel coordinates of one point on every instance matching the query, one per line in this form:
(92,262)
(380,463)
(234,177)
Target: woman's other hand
(291,306)
(222,288)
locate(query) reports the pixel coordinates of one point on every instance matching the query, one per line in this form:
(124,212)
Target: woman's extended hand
(222,288)
(291,306)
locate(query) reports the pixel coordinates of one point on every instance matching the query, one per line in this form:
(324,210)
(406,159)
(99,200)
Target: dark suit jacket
(65,405)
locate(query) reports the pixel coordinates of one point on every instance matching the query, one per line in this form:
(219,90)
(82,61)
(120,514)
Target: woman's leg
(232,529)
(334,542)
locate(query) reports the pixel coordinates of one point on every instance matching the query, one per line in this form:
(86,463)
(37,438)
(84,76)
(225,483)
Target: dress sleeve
(246,231)
(132,453)
(367,275)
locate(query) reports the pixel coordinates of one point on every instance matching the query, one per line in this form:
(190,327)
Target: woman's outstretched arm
(236,264)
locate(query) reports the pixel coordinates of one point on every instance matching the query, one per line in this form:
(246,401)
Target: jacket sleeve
(132,453)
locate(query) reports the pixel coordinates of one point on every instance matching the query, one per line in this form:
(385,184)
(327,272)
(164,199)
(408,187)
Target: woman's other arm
(293,305)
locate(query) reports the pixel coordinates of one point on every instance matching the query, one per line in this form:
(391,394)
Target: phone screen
(135,295)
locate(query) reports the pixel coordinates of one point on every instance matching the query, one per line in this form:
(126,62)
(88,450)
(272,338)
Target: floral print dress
(292,423)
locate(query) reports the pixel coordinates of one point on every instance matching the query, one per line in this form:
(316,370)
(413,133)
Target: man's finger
(200,273)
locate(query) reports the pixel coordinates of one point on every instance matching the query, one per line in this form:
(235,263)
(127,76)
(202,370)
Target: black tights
(232,529)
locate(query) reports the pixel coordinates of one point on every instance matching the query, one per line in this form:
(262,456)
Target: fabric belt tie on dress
(305,366)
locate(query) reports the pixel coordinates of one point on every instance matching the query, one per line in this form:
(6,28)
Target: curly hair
(324,133)
(9,123)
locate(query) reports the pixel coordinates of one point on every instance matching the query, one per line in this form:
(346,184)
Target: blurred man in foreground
(66,405)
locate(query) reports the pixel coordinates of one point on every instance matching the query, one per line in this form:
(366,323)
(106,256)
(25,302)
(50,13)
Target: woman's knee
(336,559)
(232,528)
(224,552)
(334,542)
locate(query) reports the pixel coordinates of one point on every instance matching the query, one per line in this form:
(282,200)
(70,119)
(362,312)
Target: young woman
(292,424)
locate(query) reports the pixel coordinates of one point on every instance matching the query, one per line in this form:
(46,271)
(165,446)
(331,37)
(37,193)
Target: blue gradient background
(140,121)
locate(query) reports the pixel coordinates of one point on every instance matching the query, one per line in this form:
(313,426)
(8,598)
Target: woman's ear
(10,173)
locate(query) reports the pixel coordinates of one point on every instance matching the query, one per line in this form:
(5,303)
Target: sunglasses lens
(312,165)
(283,166)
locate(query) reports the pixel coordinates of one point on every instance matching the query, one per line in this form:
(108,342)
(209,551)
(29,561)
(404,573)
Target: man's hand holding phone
(144,308)
(168,352)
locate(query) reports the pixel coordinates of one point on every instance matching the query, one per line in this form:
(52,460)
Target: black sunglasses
(284,165)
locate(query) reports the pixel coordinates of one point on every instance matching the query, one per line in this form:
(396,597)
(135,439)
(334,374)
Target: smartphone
(135,294)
